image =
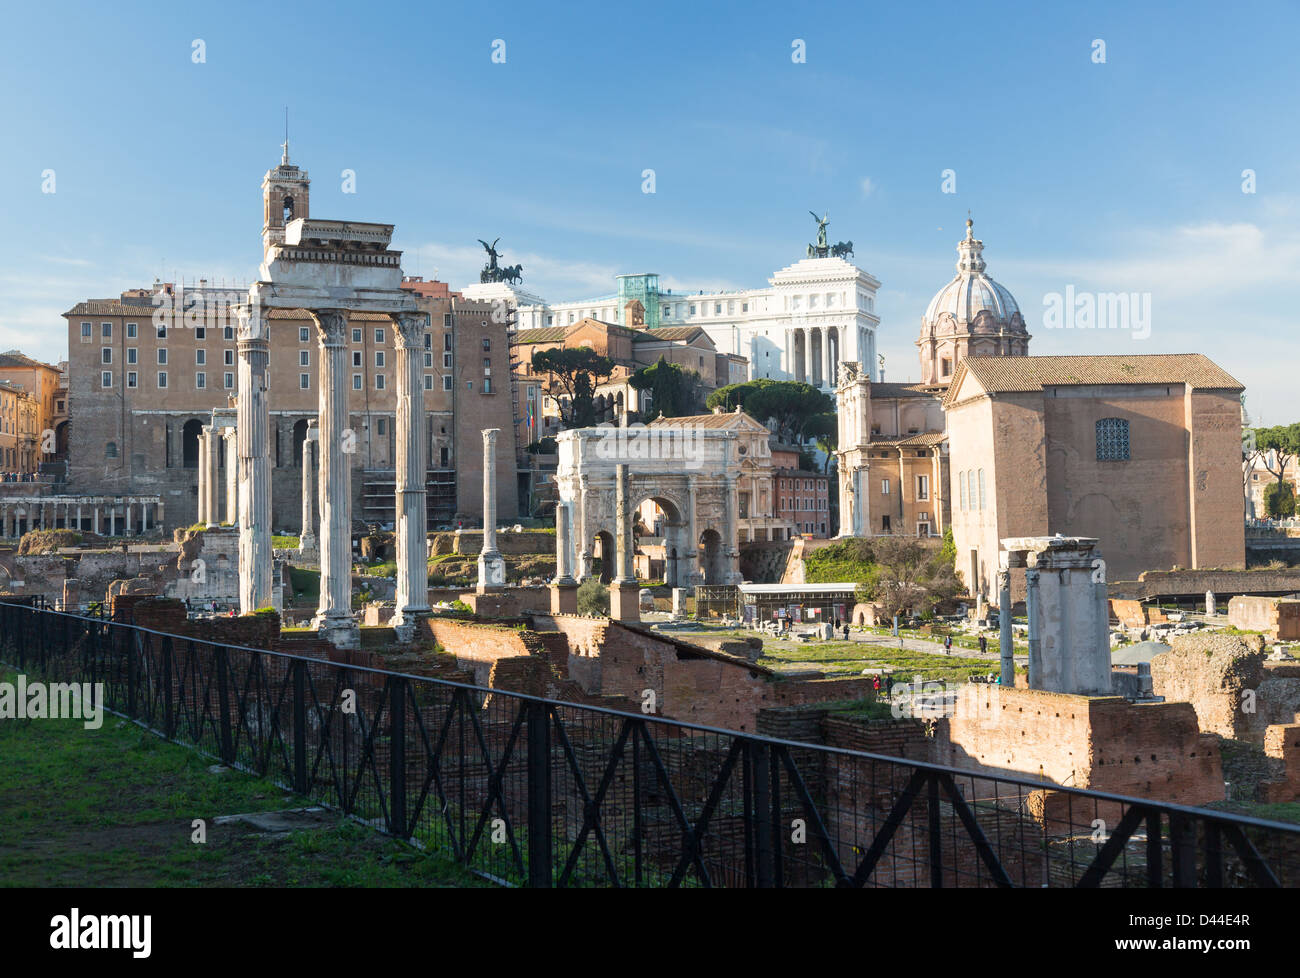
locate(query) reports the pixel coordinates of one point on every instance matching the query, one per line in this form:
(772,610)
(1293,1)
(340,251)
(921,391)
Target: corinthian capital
(411,327)
(333,325)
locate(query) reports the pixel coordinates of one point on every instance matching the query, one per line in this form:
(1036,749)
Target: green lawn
(115,807)
(850,658)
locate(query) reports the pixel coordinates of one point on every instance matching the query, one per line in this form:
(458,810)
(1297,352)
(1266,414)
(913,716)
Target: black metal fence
(542,793)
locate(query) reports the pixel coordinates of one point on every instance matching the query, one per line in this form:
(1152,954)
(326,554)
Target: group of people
(17,477)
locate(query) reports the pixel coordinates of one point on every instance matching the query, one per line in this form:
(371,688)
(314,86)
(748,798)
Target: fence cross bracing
(538,792)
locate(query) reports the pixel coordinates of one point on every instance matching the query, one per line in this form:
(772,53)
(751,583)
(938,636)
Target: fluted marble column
(253,427)
(412,515)
(210,476)
(334,620)
(491,565)
(624,593)
(230,439)
(307,535)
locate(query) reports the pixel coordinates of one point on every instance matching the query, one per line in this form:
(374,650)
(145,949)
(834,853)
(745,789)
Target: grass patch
(850,658)
(115,806)
(285,543)
(305,584)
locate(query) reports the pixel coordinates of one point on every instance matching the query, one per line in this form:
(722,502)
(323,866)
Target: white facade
(813,315)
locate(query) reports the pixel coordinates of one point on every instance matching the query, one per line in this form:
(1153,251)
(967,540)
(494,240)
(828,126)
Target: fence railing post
(168,715)
(540,854)
(220,663)
(299,668)
(397,757)
(761,774)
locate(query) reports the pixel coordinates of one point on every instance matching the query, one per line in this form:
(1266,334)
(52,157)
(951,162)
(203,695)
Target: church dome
(971,291)
(970,316)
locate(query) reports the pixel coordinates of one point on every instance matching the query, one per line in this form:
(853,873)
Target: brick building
(34,386)
(802,496)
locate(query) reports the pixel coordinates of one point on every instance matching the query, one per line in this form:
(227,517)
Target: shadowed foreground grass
(115,807)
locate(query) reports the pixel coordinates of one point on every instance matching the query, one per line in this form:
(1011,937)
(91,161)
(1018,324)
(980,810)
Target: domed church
(971,316)
(1141,451)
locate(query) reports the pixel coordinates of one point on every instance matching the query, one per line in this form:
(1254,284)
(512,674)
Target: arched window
(1112,440)
(299,437)
(288,208)
(190,443)
(110,450)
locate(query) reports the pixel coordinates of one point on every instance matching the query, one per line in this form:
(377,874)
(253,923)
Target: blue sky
(1122,176)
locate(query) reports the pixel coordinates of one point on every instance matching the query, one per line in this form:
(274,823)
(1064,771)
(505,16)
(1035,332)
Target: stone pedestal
(334,619)
(564,598)
(1069,643)
(624,601)
(679,602)
(491,565)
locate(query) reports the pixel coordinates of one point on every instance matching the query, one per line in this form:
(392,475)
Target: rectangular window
(304,334)
(85,331)
(446,361)
(379,358)
(981,488)
(106,331)
(200,357)
(356,382)
(379,337)
(230,381)
(922,487)
(379,382)
(446,341)
(162,379)
(304,382)
(304,358)
(487,385)
(106,379)
(487,345)
(428,360)
(132,354)
(356,358)
(229,332)
(230,358)
(428,341)
(132,379)
(162,356)
(382,425)
(446,382)
(105,354)
(356,336)
(469,385)
(1112,440)
(162,332)
(428,382)
(200,380)
(884,487)
(487,365)
(961,485)
(200,333)
(132,330)
(446,320)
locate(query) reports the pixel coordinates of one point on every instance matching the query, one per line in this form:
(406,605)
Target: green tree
(909,577)
(1279,446)
(573,376)
(674,392)
(824,430)
(1279,500)
(593,598)
(786,406)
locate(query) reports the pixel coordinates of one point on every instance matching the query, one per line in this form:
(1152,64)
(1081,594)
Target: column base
(564,598)
(624,601)
(491,571)
(405,622)
(342,633)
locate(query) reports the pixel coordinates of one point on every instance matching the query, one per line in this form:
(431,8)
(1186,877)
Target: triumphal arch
(690,473)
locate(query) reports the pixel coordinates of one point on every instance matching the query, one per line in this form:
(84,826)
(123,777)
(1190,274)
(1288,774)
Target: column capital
(411,327)
(331,324)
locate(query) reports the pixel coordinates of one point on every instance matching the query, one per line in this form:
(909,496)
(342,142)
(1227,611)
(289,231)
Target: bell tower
(285,197)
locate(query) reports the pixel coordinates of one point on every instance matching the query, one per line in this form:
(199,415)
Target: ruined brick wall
(477,647)
(1234,691)
(1278,618)
(510,603)
(1103,743)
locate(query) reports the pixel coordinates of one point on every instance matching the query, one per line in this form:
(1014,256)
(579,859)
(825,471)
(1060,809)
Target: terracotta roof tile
(1000,375)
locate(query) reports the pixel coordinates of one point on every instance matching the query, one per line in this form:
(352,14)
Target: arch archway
(299,436)
(603,550)
(190,443)
(712,560)
(666,528)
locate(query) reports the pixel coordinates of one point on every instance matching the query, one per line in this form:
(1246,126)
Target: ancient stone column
(693,534)
(1006,640)
(412,598)
(210,478)
(307,535)
(624,594)
(564,590)
(1034,613)
(491,565)
(231,437)
(334,620)
(731,539)
(253,427)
